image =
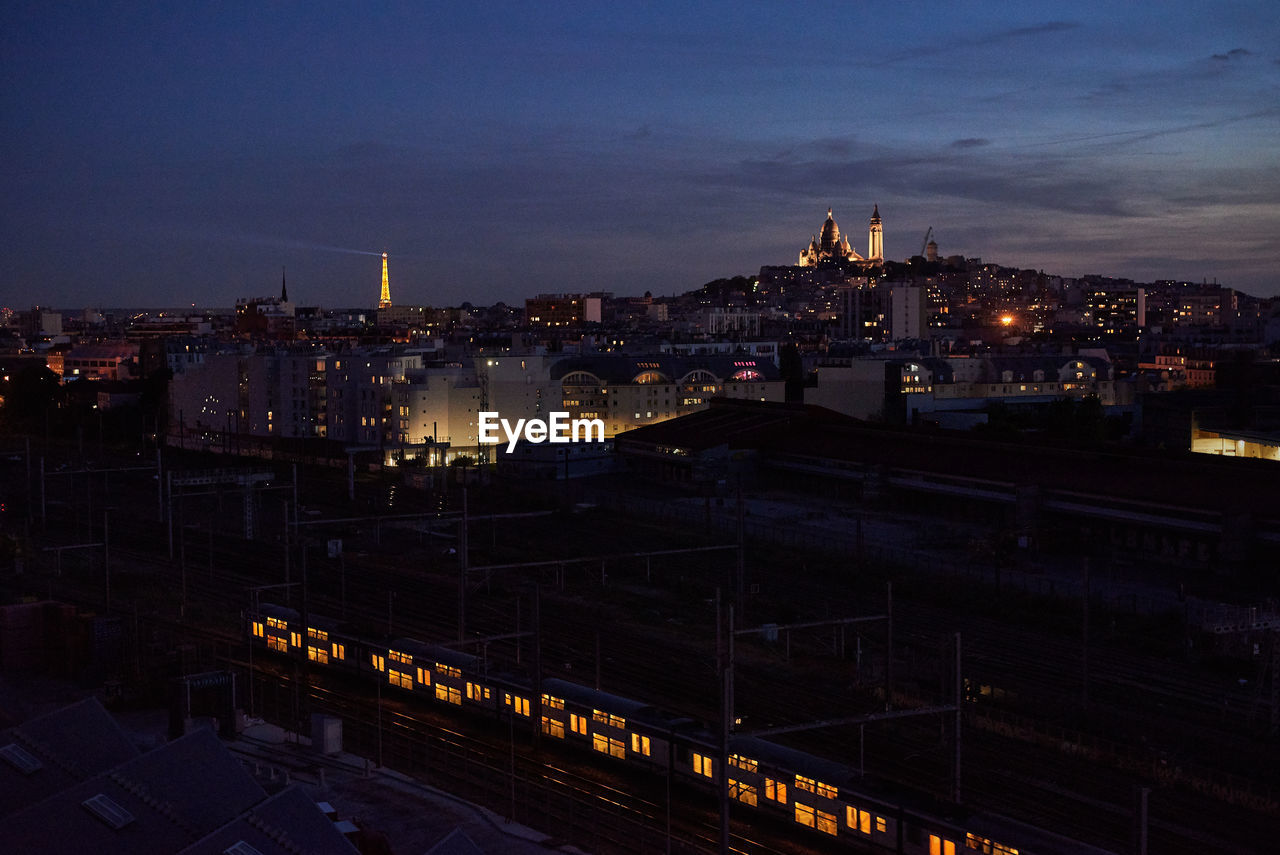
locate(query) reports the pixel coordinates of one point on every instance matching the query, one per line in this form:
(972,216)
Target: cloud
(971,142)
(1040,29)
(1235,53)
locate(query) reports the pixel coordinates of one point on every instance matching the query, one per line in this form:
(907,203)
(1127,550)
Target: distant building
(114,360)
(830,247)
(565,310)
(629,391)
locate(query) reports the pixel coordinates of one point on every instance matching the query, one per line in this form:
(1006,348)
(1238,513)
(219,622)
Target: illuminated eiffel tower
(384,300)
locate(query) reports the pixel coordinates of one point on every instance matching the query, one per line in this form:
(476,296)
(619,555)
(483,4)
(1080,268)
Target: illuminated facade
(628,392)
(830,247)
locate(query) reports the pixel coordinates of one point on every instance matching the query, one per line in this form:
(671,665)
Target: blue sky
(185,154)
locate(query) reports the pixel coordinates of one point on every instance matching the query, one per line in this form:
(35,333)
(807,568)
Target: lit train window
(552,702)
(448,671)
(295,638)
(257,628)
(578,723)
(339,651)
(448,693)
(702,765)
(826,822)
(424,677)
(743,792)
(743,762)
(379,662)
(318,654)
(881,825)
(277,623)
(553,727)
(399,678)
(397,656)
(609,719)
(938,846)
(608,745)
(805,815)
(859,820)
(517,703)
(275,642)
(640,744)
(317,634)
(775,790)
(476,692)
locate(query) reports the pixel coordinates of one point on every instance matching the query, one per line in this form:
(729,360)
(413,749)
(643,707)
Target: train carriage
(276,628)
(609,724)
(430,671)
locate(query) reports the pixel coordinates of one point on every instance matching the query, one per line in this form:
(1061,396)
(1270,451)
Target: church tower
(384,300)
(875,237)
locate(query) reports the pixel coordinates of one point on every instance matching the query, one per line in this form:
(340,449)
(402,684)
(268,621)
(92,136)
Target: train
(823,798)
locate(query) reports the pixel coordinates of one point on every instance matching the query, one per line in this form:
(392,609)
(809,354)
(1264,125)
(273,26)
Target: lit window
(775,790)
(424,677)
(317,634)
(608,745)
(275,642)
(609,719)
(517,703)
(448,671)
(640,744)
(805,815)
(397,656)
(743,792)
(939,846)
(553,703)
(880,824)
(295,639)
(379,662)
(553,727)
(257,628)
(702,765)
(476,692)
(399,678)
(339,651)
(448,693)
(318,654)
(743,762)
(578,723)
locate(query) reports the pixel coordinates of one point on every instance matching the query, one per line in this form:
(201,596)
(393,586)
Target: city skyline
(162,158)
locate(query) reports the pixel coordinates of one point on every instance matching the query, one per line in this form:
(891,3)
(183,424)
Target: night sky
(163,157)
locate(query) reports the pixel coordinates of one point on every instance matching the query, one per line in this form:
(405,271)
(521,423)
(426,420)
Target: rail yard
(1058,732)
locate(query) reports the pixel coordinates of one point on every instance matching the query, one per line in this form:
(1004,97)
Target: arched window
(746,375)
(645,377)
(580,378)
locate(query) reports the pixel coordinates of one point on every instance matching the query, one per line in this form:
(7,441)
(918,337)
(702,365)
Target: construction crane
(924,245)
